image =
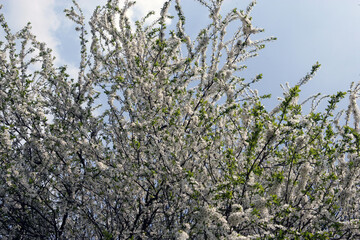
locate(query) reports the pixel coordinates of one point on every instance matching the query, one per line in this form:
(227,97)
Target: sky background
(308,31)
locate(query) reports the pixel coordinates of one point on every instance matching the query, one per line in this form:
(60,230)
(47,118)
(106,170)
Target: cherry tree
(183,147)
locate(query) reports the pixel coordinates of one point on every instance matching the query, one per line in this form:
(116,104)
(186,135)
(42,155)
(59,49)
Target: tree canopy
(183,147)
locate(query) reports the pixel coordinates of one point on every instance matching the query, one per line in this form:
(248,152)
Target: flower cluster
(183,147)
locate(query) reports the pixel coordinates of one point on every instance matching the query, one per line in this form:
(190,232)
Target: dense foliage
(182,148)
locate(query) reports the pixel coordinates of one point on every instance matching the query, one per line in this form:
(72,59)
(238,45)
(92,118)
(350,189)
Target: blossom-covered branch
(183,147)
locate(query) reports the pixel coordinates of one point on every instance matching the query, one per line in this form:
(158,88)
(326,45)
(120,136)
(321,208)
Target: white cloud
(42,15)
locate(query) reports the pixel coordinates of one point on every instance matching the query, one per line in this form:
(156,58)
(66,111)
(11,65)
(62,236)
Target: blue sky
(327,31)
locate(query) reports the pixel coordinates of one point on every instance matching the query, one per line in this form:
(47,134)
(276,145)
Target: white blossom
(181,235)
(167,156)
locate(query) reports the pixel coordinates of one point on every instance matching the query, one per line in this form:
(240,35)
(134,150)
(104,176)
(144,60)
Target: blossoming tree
(183,147)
